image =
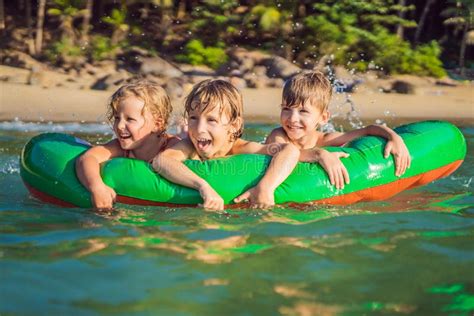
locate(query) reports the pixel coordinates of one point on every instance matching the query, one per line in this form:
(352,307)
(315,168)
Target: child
(214,113)
(139,112)
(304,107)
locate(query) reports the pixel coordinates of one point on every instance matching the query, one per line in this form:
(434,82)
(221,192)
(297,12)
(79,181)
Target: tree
(2,15)
(117,20)
(402,4)
(86,22)
(422,21)
(461,16)
(39,26)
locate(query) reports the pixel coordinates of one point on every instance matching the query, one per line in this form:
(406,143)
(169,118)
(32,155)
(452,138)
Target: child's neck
(308,141)
(151,146)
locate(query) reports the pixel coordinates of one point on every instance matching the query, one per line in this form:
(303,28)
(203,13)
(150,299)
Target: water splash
(10,167)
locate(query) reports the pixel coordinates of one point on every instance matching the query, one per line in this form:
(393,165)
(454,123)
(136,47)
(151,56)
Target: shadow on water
(412,254)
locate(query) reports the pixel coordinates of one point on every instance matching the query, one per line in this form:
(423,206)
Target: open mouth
(121,137)
(203,144)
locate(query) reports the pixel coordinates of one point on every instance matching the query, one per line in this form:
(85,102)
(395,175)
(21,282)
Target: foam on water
(70,127)
(75,127)
(11,166)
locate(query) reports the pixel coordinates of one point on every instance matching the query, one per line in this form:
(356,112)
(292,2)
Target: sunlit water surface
(412,254)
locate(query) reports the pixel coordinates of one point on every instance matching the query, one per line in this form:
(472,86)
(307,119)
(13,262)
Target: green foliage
(268,18)
(63,49)
(396,56)
(197,54)
(102,48)
(358,34)
(117,18)
(66,9)
(212,18)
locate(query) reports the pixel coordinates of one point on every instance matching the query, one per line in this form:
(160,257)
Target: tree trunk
(422,21)
(39,26)
(2,15)
(462,51)
(28,15)
(180,7)
(30,41)
(401,15)
(86,22)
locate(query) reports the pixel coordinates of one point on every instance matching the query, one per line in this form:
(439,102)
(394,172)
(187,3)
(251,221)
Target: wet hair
(155,98)
(310,85)
(208,94)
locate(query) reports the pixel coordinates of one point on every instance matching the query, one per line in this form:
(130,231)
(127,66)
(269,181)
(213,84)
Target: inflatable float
(47,167)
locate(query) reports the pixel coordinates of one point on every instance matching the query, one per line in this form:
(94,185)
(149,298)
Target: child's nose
(294,116)
(120,124)
(201,125)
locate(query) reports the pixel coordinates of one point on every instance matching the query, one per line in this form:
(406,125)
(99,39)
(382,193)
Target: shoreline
(35,104)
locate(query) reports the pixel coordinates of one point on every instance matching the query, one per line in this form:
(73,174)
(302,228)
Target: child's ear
(325,117)
(237,124)
(159,124)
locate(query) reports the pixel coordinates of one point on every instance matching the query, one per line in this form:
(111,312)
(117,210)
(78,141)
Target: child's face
(131,126)
(210,132)
(299,121)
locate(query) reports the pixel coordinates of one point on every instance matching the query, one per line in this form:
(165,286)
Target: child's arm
(330,161)
(169,164)
(395,144)
(285,157)
(88,172)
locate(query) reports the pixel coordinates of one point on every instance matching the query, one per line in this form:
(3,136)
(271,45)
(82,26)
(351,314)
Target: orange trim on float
(135,201)
(388,190)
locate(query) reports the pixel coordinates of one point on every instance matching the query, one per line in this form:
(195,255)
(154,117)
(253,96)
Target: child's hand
(103,196)
(396,146)
(337,172)
(211,199)
(258,197)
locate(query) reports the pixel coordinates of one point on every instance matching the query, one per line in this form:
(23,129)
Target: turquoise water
(412,254)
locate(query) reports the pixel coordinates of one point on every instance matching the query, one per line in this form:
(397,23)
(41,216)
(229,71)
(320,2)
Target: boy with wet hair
(214,112)
(304,108)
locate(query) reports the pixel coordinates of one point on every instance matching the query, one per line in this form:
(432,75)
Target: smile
(291,127)
(203,143)
(124,136)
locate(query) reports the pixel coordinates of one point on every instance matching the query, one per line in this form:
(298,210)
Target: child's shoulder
(106,151)
(183,148)
(277,135)
(172,140)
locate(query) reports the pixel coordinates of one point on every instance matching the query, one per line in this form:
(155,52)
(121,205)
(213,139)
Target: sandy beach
(32,103)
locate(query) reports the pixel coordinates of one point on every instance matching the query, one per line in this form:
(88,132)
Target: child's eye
(131,119)
(285,108)
(211,119)
(304,111)
(192,118)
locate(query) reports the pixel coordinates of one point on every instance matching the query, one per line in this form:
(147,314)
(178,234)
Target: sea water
(411,254)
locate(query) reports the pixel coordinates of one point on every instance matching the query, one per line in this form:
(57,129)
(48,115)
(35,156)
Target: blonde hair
(216,92)
(155,99)
(312,86)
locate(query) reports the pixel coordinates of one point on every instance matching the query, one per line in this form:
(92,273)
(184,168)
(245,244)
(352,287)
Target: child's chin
(206,154)
(126,145)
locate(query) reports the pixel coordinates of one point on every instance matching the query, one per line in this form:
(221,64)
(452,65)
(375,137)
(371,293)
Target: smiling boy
(214,111)
(304,108)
